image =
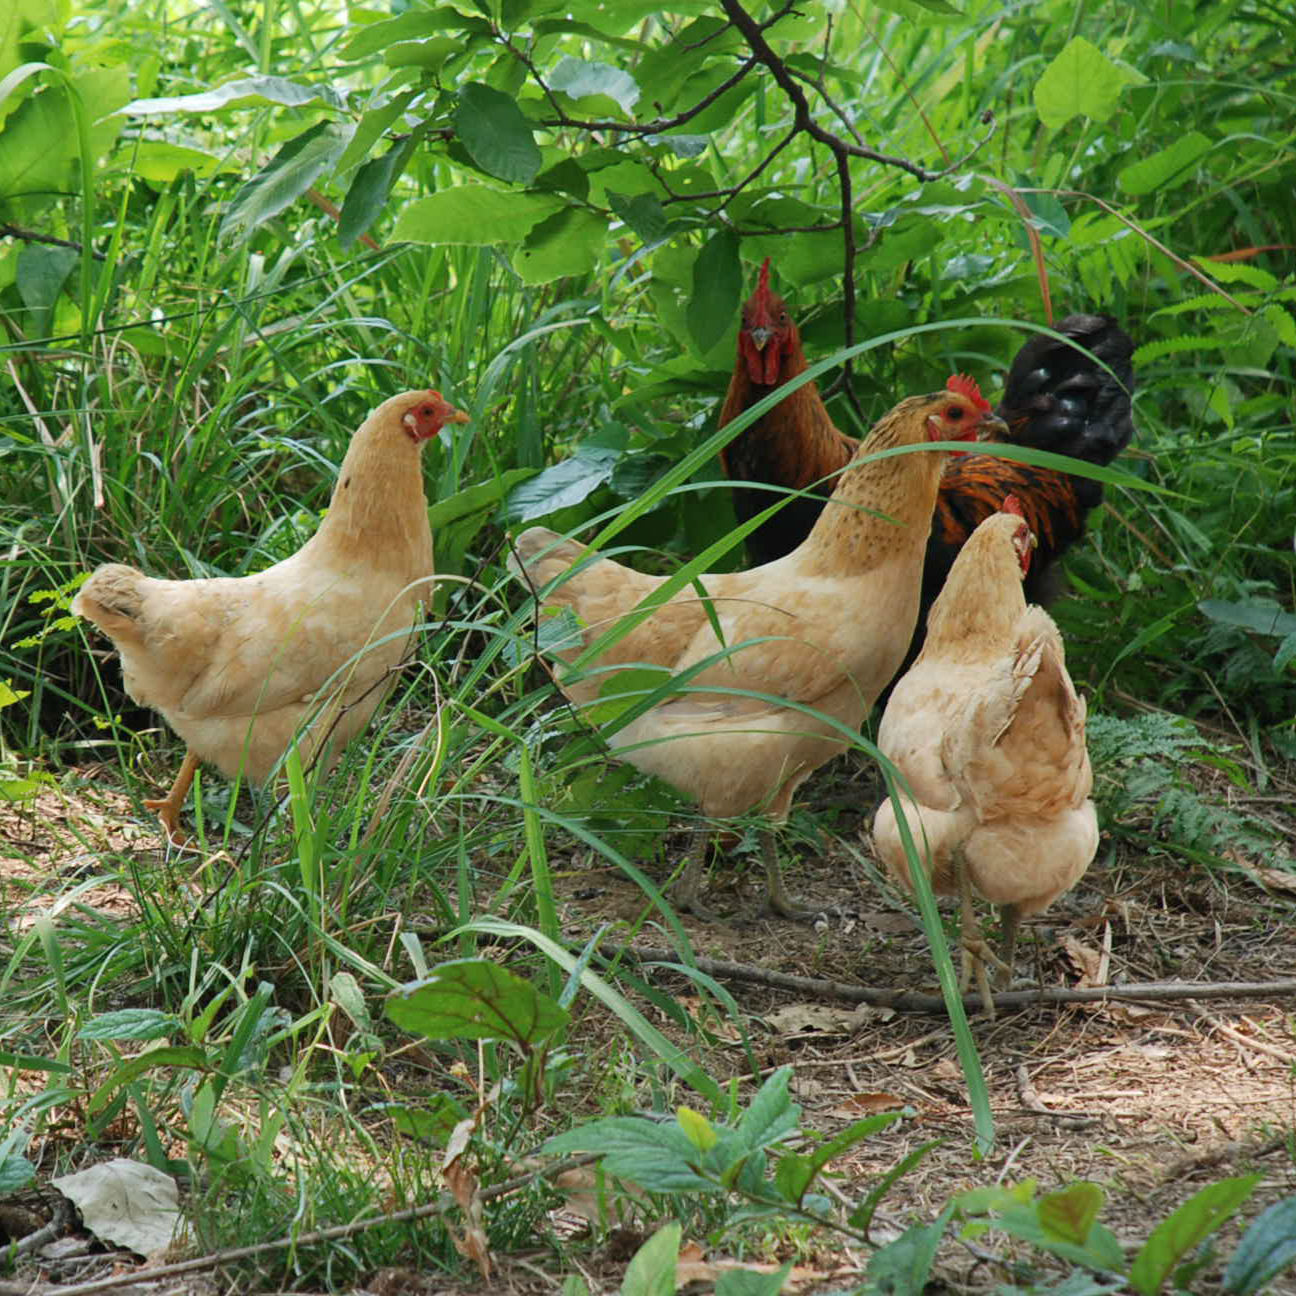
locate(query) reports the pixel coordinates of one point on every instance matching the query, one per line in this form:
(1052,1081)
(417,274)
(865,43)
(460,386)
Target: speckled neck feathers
(978,610)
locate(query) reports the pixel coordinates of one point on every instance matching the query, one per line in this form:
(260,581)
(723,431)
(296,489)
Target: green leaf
(1261,616)
(1194,1221)
(1167,168)
(563,484)
(376,37)
(582,79)
(1082,80)
(368,194)
(250,92)
(902,1267)
(697,1128)
(1286,651)
(717,290)
(1070,1213)
(750,1282)
(37,149)
(772,1114)
(475,999)
(567,243)
(652,1270)
(1266,1249)
(497,136)
(131,1024)
(160,161)
(657,1156)
(167,1055)
(473,214)
(475,499)
(285,178)
(642,212)
(41,275)
(1100,1250)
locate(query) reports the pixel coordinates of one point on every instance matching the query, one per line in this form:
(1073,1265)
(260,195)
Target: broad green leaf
(371,128)
(1286,652)
(562,485)
(1261,616)
(1100,1250)
(42,273)
(475,999)
(1070,1212)
(567,243)
(772,1114)
(249,92)
(16,1172)
(378,36)
(497,136)
(642,212)
(37,150)
(626,689)
(131,1024)
(476,498)
(655,1155)
(285,178)
(473,214)
(1167,168)
(430,55)
(368,193)
(1266,1249)
(160,161)
(751,1282)
(651,1272)
(1082,80)
(902,1267)
(717,290)
(582,79)
(1193,1222)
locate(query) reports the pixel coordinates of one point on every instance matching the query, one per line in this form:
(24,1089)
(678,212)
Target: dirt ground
(1152,1101)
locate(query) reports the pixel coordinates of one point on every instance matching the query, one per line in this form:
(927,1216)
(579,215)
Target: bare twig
(916,1001)
(34,236)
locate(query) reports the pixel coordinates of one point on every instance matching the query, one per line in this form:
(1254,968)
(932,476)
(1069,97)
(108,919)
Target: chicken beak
(457,416)
(761,335)
(992,428)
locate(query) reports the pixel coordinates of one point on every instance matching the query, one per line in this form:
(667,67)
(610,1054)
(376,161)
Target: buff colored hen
(987,728)
(823,628)
(238,665)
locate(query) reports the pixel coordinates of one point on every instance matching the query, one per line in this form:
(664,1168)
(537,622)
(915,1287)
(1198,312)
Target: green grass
(180,401)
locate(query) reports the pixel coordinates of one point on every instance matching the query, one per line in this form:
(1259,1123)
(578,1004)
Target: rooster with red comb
(1057,397)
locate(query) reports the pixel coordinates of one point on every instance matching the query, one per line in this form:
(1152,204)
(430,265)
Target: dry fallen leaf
(817,1019)
(126,1203)
(859,1105)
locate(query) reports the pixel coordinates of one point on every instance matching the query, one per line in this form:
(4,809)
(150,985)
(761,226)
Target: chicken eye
(954,413)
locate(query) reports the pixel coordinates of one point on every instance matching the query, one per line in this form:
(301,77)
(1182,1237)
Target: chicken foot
(684,895)
(168,808)
(976,952)
(777,898)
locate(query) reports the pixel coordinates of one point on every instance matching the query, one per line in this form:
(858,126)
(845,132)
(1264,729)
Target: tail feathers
(113,601)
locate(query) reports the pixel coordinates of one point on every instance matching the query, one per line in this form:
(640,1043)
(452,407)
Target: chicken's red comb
(965,385)
(1012,504)
(762,283)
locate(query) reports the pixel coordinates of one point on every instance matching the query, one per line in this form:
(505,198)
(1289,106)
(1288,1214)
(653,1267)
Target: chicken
(822,629)
(989,733)
(1056,398)
(239,666)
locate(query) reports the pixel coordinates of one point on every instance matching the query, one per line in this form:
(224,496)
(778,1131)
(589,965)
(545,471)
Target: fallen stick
(918,1002)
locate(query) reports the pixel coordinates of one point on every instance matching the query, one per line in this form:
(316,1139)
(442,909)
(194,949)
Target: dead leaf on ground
(859,1105)
(126,1203)
(817,1019)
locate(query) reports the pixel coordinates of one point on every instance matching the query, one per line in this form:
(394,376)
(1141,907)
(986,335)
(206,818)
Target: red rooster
(1056,398)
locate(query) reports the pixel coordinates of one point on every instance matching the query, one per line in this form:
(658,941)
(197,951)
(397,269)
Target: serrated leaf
(567,243)
(473,214)
(475,999)
(131,1024)
(562,484)
(1167,168)
(497,136)
(1266,1249)
(1081,80)
(772,1114)
(717,290)
(1187,1227)
(285,178)
(656,1156)
(248,92)
(582,79)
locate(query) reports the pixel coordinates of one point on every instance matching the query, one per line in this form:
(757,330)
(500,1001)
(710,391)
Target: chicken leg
(975,951)
(778,900)
(684,894)
(168,808)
